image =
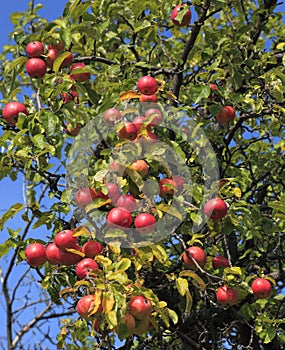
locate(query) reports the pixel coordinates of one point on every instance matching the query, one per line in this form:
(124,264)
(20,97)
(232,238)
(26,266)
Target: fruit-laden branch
(89,59)
(178,77)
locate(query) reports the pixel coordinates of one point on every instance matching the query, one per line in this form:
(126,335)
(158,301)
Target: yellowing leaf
(103,261)
(233,270)
(108,302)
(122,265)
(75,251)
(162,84)
(173,316)
(170,209)
(159,252)
(97,302)
(162,304)
(182,286)
(197,279)
(127,95)
(189,303)
(81,231)
(237,192)
(115,247)
(112,318)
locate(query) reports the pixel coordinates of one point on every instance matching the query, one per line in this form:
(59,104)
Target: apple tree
(151,139)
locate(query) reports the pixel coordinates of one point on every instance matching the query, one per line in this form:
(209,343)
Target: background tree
(231,54)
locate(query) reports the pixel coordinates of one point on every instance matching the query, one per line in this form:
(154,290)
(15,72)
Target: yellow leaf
(159,252)
(237,192)
(115,247)
(233,270)
(173,316)
(162,304)
(97,302)
(81,231)
(127,95)
(75,251)
(169,209)
(182,286)
(108,302)
(162,84)
(112,318)
(195,277)
(103,261)
(189,303)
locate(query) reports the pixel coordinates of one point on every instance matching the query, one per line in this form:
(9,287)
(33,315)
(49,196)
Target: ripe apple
(154,115)
(73,131)
(115,166)
(68,258)
(65,239)
(179,182)
(119,217)
(67,61)
(91,248)
(85,196)
(147,85)
(58,46)
(36,68)
(72,95)
(129,321)
(53,254)
(51,56)
(35,49)
(196,253)
(226,296)
(166,188)
(186,18)
(216,209)
(148,98)
(11,112)
(140,307)
(126,201)
(226,114)
(112,115)
(36,254)
(85,305)
(140,166)
(261,288)
(128,131)
(220,261)
(85,267)
(113,191)
(213,87)
(79,76)
(145,223)
(138,121)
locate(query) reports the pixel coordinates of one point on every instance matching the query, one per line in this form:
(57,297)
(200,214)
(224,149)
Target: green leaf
(16,208)
(233,270)
(182,286)
(122,265)
(187,273)
(59,59)
(5,247)
(159,252)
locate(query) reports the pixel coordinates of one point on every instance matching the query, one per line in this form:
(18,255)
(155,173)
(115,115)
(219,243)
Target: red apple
(226,114)
(85,196)
(51,56)
(166,188)
(129,321)
(79,76)
(138,121)
(53,254)
(140,166)
(112,115)
(220,261)
(72,95)
(119,218)
(67,61)
(65,239)
(140,307)
(35,49)
(68,258)
(11,112)
(58,46)
(216,209)
(85,267)
(226,296)
(186,18)
(128,131)
(115,166)
(147,85)
(196,253)
(126,201)
(145,223)
(36,68)
(179,182)
(36,254)
(154,115)
(113,191)
(91,249)
(261,288)
(148,98)
(86,305)
(213,87)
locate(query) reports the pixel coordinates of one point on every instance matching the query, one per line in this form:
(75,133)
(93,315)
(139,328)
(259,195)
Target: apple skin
(226,296)
(36,254)
(138,121)
(36,68)
(51,56)
(126,201)
(85,196)
(185,20)
(179,182)
(79,76)
(226,114)
(68,258)
(11,111)
(220,261)
(145,223)
(72,95)
(128,131)
(35,49)
(166,188)
(198,254)
(64,240)
(85,266)
(213,87)
(53,254)
(67,62)
(129,321)
(261,288)
(156,116)
(85,305)
(91,249)
(113,191)
(119,218)
(148,98)
(140,307)
(141,167)
(216,209)
(147,85)
(112,115)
